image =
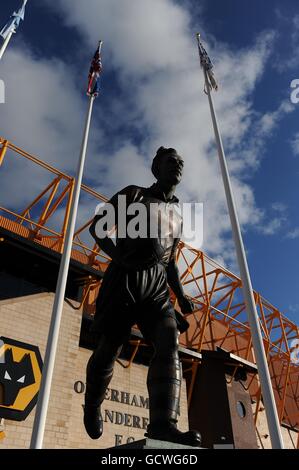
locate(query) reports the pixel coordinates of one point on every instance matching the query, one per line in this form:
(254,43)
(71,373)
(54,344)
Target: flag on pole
(94,73)
(52,342)
(14,21)
(206,64)
(251,310)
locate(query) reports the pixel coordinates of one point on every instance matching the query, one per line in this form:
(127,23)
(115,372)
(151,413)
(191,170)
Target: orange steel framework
(220,316)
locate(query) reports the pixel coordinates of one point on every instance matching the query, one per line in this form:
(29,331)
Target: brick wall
(263,438)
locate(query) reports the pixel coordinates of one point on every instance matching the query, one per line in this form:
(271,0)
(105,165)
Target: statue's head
(168,166)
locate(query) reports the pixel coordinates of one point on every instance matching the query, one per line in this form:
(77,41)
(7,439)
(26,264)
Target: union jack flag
(93,88)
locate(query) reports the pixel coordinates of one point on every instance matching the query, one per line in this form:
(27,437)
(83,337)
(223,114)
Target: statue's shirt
(150,235)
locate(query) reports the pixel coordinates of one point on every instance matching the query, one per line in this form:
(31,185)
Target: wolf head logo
(14,376)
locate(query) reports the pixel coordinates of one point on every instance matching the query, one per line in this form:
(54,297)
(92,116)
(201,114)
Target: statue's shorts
(128,297)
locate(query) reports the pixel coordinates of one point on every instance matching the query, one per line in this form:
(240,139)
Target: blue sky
(152,96)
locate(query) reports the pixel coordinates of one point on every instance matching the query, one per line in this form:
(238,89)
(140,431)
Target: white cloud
(273,220)
(294,308)
(279,207)
(295,144)
(44,115)
(269,120)
(262,128)
(290,58)
(293,233)
(154,55)
(272,227)
(138,38)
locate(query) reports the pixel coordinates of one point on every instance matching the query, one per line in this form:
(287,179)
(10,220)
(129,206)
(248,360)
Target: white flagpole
(13,29)
(48,368)
(5,44)
(257,340)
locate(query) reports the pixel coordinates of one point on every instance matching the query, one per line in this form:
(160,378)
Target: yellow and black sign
(20,377)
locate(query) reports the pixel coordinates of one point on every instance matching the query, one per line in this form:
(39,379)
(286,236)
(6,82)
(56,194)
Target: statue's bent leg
(164,386)
(99,373)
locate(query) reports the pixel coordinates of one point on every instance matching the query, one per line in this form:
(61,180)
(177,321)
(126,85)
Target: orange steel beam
(18,151)
(55,235)
(220,318)
(126,366)
(48,203)
(283,399)
(39,197)
(3,150)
